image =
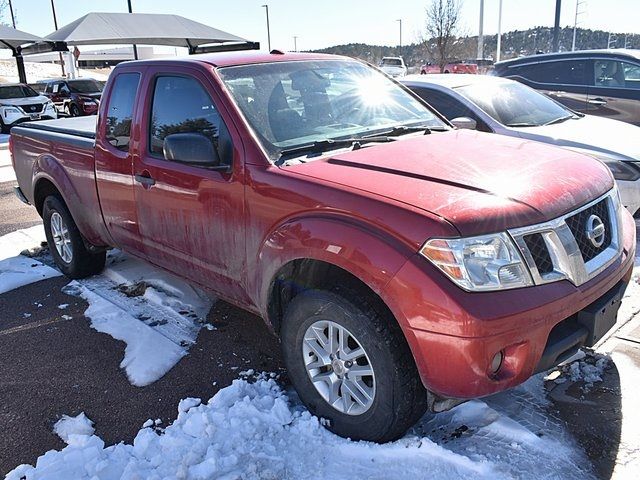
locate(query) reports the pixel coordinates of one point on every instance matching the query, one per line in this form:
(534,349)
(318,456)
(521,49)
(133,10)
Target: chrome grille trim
(563,249)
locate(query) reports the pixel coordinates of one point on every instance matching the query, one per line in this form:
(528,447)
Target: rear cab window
(120,110)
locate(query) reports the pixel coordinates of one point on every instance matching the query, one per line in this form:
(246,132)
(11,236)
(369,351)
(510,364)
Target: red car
(452,67)
(75,98)
(403,264)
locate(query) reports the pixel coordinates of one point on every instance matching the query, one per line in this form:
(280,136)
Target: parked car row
(405,265)
(47,99)
(506,107)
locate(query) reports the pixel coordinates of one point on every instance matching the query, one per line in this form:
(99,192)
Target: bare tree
(442,29)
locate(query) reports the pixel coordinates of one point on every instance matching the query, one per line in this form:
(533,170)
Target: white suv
(21,103)
(393,66)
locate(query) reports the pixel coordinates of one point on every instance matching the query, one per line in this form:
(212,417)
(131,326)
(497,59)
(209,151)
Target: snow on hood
(596,134)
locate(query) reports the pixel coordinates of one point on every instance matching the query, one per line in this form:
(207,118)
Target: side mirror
(192,149)
(464,123)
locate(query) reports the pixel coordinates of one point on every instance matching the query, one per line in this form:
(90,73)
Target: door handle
(597,101)
(145,179)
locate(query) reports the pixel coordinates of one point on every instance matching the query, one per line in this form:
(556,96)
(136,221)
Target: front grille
(539,252)
(32,107)
(578,226)
(560,248)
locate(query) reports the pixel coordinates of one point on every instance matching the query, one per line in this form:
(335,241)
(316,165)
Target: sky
(323,23)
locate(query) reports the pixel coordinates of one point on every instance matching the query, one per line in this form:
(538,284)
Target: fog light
(496,363)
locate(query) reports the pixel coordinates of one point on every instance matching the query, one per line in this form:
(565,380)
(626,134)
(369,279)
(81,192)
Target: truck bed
(79,126)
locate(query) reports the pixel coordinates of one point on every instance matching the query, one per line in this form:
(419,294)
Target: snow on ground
(39,71)
(18,270)
(68,427)
(256,430)
(157,315)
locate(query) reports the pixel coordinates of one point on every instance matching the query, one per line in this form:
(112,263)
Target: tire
(74,111)
(398,397)
(66,243)
(4,128)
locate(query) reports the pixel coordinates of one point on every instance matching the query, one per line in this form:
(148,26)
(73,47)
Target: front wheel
(74,111)
(351,366)
(65,241)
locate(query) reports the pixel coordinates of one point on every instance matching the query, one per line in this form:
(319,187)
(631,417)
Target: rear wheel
(351,366)
(66,243)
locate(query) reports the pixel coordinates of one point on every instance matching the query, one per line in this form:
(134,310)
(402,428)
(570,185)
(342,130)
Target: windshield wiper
(321,146)
(560,119)
(404,129)
(522,124)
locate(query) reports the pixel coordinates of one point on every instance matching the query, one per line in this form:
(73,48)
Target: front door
(191,217)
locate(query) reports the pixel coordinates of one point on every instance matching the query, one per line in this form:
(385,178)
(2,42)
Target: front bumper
(454,334)
(11,119)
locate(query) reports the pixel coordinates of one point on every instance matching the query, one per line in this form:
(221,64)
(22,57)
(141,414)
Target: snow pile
(255,430)
(249,431)
(587,372)
(155,313)
(67,428)
(17,270)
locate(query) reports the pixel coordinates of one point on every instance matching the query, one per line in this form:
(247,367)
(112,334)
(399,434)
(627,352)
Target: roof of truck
(246,57)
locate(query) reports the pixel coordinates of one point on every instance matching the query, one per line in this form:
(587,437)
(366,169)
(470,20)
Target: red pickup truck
(403,264)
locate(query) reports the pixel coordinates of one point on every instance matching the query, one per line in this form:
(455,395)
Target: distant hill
(515,43)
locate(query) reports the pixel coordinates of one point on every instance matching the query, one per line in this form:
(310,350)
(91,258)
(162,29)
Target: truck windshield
(514,104)
(84,86)
(16,91)
(292,104)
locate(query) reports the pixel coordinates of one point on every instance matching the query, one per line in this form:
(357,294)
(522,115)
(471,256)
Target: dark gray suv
(599,82)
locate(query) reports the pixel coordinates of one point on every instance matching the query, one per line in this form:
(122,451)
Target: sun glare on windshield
(373,90)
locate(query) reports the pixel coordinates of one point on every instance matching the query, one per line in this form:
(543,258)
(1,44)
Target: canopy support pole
(17,53)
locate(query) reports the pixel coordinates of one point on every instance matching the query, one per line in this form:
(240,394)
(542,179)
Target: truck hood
(24,100)
(478,182)
(592,134)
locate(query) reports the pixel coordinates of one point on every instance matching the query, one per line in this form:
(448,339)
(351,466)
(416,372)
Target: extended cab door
(116,143)
(191,216)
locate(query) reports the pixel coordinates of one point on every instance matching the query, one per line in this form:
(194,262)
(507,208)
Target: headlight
(623,170)
(8,110)
(486,262)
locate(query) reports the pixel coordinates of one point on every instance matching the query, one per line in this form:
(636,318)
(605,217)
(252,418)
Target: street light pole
(295,43)
(13,18)
(55,24)
(499,45)
(135,49)
(556,27)
(400,46)
(480,34)
(266,8)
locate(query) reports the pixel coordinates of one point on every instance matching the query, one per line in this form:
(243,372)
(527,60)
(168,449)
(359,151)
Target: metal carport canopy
(13,40)
(140,28)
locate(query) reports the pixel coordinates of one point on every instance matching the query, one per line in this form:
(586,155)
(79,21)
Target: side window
(614,73)
(120,110)
(182,105)
(64,88)
(568,72)
(449,106)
